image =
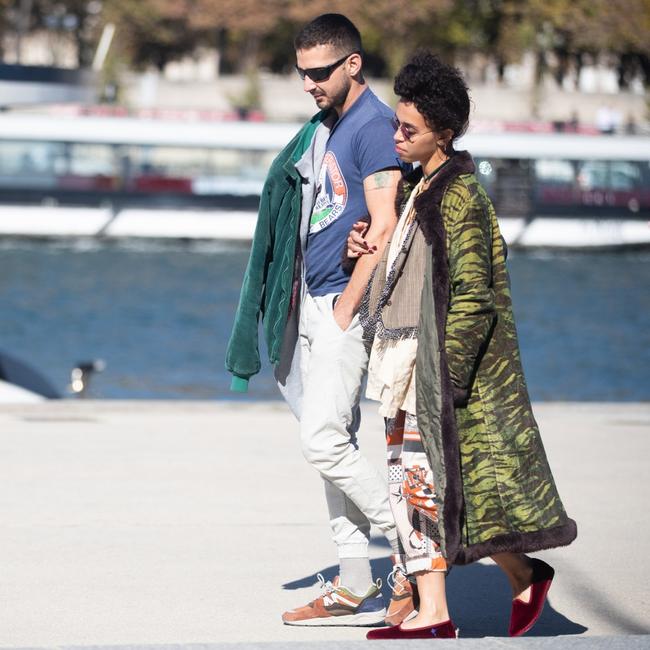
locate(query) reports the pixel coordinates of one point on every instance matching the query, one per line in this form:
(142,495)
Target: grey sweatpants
(333,363)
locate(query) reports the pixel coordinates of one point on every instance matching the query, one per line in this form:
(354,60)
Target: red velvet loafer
(525,615)
(444,630)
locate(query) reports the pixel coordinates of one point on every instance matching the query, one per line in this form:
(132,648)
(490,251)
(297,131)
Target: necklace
(428,177)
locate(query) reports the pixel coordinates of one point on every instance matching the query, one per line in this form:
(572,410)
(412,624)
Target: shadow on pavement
(479,599)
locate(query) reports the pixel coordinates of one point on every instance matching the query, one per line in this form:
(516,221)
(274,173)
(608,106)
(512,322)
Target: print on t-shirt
(332,195)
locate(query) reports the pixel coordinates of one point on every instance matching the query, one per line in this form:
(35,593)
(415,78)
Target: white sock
(355,574)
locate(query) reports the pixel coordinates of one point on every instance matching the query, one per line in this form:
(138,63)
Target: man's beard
(338,98)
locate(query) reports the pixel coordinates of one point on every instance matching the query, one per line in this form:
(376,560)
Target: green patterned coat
(474,412)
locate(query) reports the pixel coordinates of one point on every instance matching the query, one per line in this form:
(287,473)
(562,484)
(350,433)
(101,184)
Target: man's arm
(379,190)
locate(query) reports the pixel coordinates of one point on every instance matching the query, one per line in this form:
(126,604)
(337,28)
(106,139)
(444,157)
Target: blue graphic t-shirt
(361,144)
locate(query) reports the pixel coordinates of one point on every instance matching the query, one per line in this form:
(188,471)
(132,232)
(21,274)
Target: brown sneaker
(339,606)
(401,606)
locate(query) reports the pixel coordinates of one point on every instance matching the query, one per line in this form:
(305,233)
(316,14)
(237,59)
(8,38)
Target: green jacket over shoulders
(268,282)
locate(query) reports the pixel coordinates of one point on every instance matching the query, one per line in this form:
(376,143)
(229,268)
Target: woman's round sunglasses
(321,74)
(408,132)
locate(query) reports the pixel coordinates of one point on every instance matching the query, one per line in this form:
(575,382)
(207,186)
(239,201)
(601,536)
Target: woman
(468,475)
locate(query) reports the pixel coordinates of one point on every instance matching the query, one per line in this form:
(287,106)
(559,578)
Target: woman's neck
(431,164)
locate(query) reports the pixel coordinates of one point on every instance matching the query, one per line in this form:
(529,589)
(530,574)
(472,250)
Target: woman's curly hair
(438,91)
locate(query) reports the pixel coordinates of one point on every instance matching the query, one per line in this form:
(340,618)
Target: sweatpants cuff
(357,550)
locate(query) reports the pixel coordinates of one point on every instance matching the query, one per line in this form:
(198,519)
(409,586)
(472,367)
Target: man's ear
(355,64)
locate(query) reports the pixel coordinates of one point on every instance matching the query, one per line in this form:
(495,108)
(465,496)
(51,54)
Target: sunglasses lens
(318,74)
(397,126)
(315,74)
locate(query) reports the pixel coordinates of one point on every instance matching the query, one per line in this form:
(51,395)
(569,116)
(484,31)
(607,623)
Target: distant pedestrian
(341,166)
(608,120)
(631,127)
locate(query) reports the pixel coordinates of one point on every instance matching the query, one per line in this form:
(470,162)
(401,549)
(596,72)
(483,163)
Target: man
(341,166)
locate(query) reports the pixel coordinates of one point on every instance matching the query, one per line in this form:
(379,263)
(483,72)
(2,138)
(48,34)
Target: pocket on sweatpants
(353,323)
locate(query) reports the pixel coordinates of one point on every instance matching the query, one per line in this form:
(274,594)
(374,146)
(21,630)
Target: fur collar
(427,204)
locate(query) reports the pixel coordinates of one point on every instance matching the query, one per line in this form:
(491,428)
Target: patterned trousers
(412,497)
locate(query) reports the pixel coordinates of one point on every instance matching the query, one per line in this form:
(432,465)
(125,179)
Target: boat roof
(268,136)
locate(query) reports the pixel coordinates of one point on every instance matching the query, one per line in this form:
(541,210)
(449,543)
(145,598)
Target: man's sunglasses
(321,74)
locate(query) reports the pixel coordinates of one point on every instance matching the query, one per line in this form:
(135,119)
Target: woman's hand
(357,245)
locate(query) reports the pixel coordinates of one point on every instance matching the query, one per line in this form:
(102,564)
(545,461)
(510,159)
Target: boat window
(610,184)
(592,175)
(555,172)
(132,168)
(28,164)
(625,176)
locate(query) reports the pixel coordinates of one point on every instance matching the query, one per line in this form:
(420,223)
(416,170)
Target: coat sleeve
(471,314)
(242,355)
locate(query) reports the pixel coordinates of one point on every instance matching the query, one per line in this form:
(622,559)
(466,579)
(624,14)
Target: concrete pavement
(163,523)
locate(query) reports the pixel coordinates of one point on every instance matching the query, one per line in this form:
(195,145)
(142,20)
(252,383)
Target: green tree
(153,32)
(564,33)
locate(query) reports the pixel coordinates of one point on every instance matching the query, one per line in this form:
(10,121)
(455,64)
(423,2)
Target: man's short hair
(330,29)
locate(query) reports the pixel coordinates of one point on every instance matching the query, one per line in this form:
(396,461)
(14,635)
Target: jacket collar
(302,142)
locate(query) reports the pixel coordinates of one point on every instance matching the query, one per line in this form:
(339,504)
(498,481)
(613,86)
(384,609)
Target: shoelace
(326,586)
(327,589)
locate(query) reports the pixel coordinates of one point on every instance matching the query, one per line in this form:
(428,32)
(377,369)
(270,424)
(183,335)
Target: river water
(159,315)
